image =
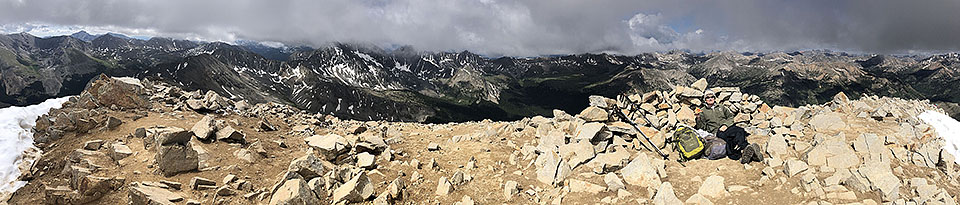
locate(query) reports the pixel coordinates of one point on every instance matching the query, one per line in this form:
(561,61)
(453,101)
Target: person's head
(709,97)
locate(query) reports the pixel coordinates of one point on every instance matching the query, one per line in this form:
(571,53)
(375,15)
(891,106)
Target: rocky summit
(148,142)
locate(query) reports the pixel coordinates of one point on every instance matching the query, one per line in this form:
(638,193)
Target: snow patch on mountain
(16,142)
(947,128)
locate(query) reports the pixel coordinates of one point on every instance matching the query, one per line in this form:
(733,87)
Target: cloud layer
(520,27)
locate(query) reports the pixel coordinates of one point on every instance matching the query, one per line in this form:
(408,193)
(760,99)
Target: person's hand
(723,128)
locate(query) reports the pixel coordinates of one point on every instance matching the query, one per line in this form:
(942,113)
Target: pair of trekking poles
(654,147)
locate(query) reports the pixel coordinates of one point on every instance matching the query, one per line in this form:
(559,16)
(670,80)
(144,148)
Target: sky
(517,27)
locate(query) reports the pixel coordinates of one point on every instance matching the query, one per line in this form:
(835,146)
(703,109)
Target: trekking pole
(624,117)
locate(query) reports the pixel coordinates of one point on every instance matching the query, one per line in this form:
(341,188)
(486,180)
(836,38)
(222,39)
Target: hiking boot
(748,155)
(757,153)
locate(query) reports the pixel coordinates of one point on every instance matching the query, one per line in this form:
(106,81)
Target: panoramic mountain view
(479,102)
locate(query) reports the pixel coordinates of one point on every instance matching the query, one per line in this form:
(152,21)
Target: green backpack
(689,144)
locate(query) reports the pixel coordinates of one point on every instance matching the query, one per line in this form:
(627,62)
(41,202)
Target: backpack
(716,148)
(689,144)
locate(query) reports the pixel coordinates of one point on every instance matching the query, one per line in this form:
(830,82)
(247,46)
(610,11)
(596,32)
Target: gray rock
(175,158)
(700,84)
(93,145)
(113,122)
(601,102)
(173,135)
(833,153)
(225,190)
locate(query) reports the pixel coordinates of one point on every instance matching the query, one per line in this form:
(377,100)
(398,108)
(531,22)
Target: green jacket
(712,118)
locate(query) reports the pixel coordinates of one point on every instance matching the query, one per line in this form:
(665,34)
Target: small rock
(196,182)
(228,134)
(510,189)
(613,182)
(444,187)
(793,167)
(433,146)
(225,191)
(366,160)
(93,145)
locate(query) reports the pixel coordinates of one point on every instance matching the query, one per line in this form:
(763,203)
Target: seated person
(718,119)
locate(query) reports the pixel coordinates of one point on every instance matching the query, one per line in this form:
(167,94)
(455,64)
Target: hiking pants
(736,139)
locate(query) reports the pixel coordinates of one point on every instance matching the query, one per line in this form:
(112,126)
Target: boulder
(444,187)
(793,167)
(828,121)
(356,190)
(205,128)
(777,146)
(547,166)
(175,158)
(601,102)
(665,195)
(688,92)
(594,114)
(329,146)
(698,199)
(228,134)
(700,84)
(582,186)
(119,151)
(641,172)
(593,132)
(308,166)
(147,195)
(172,135)
(713,187)
(834,153)
(294,192)
(104,91)
(613,182)
(366,160)
(577,153)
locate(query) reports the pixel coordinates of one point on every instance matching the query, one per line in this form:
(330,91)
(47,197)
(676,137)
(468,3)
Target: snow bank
(16,137)
(947,128)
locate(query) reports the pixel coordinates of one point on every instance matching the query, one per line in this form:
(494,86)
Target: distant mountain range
(364,82)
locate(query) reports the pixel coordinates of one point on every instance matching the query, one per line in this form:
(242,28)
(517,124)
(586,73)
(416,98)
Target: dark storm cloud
(516,27)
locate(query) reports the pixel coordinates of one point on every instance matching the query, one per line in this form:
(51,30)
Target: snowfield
(16,137)
(947,128)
